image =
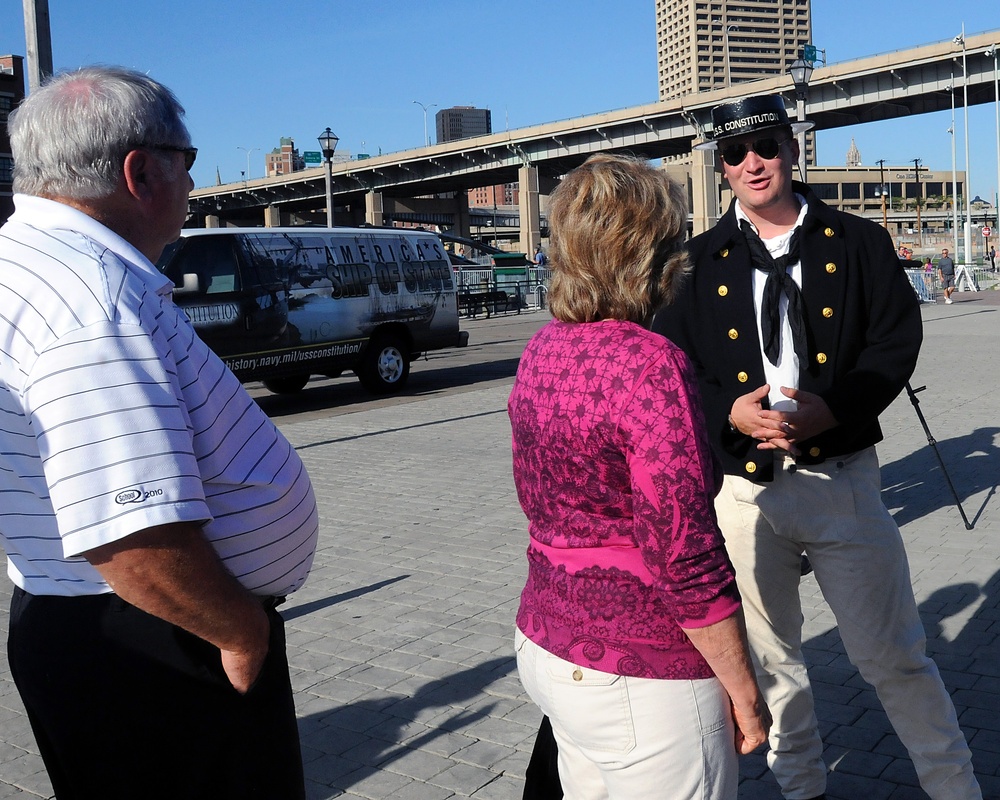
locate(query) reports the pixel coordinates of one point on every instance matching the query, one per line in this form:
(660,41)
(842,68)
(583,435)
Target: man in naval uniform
(803,328)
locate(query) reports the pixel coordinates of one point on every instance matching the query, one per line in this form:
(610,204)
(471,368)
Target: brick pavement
(400,643)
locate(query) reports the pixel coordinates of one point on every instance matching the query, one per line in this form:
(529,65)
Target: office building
(709,44)
(11,94)
(462,122)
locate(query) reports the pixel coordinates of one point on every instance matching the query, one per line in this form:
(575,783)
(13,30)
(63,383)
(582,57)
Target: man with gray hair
(152,516)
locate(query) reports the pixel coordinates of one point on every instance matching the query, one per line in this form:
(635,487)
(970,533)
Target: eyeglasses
(767,148)
(190,153)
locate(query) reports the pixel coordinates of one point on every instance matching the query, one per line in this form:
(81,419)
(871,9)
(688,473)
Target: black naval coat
(862,321)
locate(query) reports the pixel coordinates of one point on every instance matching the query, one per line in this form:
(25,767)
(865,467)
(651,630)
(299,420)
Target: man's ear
(140,172)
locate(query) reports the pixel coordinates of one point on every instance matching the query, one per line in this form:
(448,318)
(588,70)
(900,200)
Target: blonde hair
(615,249)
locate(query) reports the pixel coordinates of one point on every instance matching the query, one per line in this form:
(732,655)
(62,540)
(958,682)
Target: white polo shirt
(115,417)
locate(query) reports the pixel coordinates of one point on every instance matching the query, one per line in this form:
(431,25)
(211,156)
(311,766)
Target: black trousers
(124,705)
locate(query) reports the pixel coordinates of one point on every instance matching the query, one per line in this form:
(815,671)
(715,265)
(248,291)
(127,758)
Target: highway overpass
(393,186)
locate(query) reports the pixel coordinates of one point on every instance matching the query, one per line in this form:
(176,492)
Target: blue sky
(250,72)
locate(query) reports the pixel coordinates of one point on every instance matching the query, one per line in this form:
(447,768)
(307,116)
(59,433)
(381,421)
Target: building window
(6,106)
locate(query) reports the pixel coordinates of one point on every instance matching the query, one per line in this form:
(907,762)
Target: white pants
(834,513)
(630,738)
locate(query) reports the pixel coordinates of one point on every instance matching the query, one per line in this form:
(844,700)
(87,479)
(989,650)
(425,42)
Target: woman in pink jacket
(630,633)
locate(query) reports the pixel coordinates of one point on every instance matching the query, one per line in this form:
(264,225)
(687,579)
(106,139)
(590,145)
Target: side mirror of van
(190,285)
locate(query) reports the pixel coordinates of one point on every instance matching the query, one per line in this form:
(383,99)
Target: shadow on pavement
(914,486)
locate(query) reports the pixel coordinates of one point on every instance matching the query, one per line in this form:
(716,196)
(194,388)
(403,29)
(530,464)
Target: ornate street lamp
(328,143)
(801,71)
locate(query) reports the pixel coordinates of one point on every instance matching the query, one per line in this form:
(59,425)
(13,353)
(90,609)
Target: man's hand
(172,572)
(780,430)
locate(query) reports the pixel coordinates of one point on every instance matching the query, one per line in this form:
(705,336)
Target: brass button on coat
(829,233)
(723,290)
(814,452)
(821,358)
(724,252)
(577,675)
(734,334)
(828,312)
(742,377)
(751,468)
(831,268)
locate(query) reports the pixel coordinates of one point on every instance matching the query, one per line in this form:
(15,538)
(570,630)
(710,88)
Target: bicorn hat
(750,115)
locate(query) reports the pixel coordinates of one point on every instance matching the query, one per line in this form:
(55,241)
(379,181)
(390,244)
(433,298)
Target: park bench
(491,301)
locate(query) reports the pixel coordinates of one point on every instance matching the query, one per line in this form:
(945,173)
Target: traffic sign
(986,231)
(312,157)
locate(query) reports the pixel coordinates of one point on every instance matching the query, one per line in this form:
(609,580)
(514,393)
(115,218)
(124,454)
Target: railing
(927,285)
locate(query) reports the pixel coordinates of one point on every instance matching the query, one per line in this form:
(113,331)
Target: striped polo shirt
(115,417)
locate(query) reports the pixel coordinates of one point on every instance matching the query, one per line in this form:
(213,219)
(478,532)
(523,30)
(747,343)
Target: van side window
(212,259)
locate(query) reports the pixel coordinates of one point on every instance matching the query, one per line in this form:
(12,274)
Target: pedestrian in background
(629,633)
(802,329)
(946,274)
(152,516)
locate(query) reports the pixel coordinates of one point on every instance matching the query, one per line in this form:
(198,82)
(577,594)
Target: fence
(927,285)
(528,285)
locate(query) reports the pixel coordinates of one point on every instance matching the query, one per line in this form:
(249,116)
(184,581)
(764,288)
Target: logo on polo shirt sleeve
(136,495)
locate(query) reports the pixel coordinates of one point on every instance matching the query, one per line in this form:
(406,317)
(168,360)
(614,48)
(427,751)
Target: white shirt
(115,417)
(786,371)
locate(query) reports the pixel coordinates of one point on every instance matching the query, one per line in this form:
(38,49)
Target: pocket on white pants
(592,706)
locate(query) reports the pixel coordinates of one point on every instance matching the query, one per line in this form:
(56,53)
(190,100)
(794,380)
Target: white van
(281,304)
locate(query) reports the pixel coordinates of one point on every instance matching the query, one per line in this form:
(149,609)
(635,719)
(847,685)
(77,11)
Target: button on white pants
(629,738)
(834,512)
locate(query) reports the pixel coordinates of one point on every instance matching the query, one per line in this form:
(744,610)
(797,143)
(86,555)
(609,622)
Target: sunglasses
(766,147)
(190,153)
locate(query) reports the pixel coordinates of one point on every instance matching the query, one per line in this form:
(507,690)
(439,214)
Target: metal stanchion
(912,393)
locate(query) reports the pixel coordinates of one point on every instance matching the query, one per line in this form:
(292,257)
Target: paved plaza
(400,643)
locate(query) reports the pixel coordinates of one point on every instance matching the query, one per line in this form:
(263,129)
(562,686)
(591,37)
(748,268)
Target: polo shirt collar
(51,215)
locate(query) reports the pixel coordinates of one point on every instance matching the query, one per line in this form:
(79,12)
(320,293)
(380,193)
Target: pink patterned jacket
(613,470)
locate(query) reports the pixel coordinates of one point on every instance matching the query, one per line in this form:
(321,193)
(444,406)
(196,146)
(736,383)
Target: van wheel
(289,385)
(384,367)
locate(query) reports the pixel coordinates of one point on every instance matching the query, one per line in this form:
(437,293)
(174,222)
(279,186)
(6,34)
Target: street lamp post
(427,140)
(954,172)
(248,152)
(328,143)
(726,28)
(801,71)
(882,191)
(993,51)
(919,200)
(967,238)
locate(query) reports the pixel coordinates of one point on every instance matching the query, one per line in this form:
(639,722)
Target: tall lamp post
(882,191)
(248,152)
(967,238)
(801,71)
(427,140)
(328,143)
(954,171)
(993,51)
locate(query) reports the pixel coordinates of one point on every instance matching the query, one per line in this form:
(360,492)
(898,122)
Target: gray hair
(70,138)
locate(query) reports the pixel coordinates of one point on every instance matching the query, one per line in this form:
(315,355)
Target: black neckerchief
(778,281)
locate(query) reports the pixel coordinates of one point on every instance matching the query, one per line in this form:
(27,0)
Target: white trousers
(834,513)
(625,738)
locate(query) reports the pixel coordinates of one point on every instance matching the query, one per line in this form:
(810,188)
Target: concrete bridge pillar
(374,209)
(704,191)
(529,207)
(272,216)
